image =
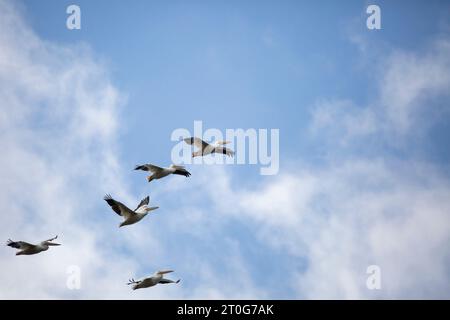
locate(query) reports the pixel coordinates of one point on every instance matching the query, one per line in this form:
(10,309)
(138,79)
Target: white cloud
(343,218)
(406,101)
(410,83)
(342,121)
(59,128)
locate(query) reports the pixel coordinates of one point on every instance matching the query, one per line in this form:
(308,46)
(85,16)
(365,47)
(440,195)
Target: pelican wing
(54,238)
(144,201)
(221,142)
(199,143)
(132,281)
(22,245)
(148,167)
(165,281)
(181,171)
(118,207)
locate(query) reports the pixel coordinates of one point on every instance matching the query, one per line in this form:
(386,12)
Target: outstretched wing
(132,281)
(199,143)
(22,245)
(118,207)
(54,238)
(221,142)
(165,281)
(181,171)
(146,200)
(148,167)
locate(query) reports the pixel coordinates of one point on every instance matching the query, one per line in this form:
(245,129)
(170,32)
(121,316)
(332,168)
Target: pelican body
(130,216)
(29,249)
(205,148)
(159,172)
(156,278)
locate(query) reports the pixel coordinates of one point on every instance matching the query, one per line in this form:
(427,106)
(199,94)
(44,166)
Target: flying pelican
(159,172)
(129,215)
(157,277)
(28,248)
(206,148)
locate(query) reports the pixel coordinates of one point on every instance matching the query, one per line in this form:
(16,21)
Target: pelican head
(150,178)
(53,244)
(50,242)
(164,271)
(124,223)
(148,209)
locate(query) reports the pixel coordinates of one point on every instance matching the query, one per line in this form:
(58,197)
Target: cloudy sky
(364,173)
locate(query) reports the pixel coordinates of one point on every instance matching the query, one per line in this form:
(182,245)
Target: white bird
(206,148)
(159,172)
(129,215)
(156,278)
(28,248)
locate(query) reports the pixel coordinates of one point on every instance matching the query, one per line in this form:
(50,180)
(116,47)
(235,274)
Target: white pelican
(157,277)
(129,215)
(28,248)
(159,172)
(206,148)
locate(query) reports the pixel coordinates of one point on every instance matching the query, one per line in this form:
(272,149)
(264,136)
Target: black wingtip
(12,244)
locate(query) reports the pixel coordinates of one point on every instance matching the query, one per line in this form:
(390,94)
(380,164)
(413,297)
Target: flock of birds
(133,216)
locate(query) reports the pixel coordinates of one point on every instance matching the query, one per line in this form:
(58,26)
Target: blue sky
(363,118)
(237,65)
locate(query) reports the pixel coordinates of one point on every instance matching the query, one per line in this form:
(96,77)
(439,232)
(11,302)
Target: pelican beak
(151,209)
(149,178)
(165,271)
(54,244)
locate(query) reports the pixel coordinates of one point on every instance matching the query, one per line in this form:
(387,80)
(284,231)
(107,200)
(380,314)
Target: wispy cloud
(58,131)
(59,134)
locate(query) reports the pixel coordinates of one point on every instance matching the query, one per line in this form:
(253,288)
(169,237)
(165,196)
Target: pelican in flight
(157,277)
(159,172)
(28,248)
(206,148)
(129,215)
